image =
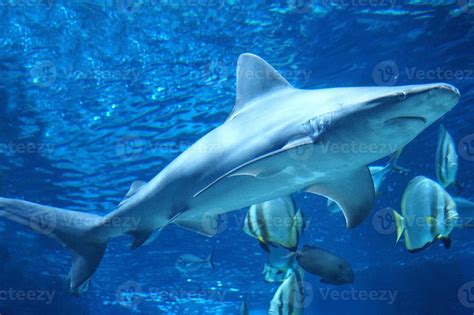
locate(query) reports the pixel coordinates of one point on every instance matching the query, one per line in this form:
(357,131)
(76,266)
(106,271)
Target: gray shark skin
(278,140)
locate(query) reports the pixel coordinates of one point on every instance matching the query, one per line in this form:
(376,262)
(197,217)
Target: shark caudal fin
(400,223)
(76,231)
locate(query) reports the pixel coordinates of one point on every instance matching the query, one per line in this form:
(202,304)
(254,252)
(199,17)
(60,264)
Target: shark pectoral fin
(250,85)
(354,193)
(206,226)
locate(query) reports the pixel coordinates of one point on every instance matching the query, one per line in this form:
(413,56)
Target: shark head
(371,122)
(401,113)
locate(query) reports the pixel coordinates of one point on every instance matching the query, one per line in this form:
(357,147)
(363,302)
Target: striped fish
(428,213)
(279,266)
(275,222)
(446,158)
(289,298)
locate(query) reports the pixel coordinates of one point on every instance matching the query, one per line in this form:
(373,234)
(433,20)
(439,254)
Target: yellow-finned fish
(428,213)
(289,298)
(275,222)
(446,158)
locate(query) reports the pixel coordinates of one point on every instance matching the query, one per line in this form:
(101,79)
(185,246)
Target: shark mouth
(406,120)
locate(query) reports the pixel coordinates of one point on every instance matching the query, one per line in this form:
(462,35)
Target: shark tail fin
(77,231)
(400,223)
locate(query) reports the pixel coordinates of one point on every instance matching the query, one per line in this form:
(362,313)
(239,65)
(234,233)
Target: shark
(277,140)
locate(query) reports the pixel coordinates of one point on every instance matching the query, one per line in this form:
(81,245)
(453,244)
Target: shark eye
(402,96)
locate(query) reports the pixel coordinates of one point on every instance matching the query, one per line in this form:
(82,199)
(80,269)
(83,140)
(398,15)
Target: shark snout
(450,89)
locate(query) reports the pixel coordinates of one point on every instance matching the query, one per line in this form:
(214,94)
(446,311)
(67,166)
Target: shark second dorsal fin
(136,186)
(255,77)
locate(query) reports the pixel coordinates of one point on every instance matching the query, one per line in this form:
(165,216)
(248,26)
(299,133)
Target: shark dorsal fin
(255,77)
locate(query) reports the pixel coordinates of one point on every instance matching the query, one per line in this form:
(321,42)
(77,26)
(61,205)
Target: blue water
(97,94)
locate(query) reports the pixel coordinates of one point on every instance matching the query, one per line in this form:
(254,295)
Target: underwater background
(97,94)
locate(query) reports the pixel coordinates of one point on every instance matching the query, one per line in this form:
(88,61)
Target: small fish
(275,222)
(446,159)
(290,296)
(378,173)
(189,263)
(331,268)
(279,265)
(428,213)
